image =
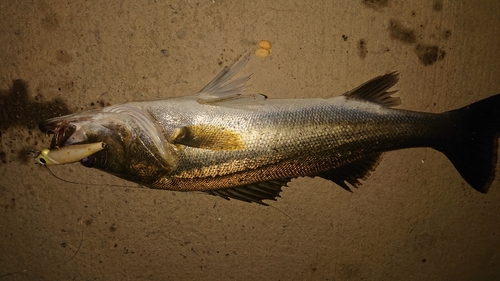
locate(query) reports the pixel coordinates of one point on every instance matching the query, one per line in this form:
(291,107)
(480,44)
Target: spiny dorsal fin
(223,90)
(222,87)
(353,172)
(375,90)
(253,192)
(207,137)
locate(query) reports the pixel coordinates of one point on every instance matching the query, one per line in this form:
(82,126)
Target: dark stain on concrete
(376,4)
(22,111)
(446,34)
(362,48)
(10,205)
(50,22)
(437,5)
(18,109)
(401,33)
(429,54)
(3,157)
(165,53)
(100,103)
(25,154)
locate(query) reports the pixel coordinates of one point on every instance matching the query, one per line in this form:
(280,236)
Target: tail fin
(473,151)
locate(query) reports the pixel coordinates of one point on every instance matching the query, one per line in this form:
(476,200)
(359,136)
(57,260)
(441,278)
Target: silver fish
(248,147)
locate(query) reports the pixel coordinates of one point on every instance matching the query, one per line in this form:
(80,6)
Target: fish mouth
(61,129)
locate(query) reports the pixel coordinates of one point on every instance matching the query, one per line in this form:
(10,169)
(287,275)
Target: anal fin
(253,192)
(353,172)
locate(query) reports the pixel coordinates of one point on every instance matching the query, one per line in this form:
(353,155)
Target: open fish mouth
(61,129)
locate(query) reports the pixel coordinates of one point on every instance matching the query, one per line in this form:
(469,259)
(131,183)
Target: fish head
(136,149)
(91,127)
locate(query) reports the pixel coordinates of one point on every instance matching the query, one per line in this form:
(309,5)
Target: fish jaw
(60,128)
(68,129)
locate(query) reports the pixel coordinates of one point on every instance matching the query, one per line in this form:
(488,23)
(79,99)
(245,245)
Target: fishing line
(93,184)
(301,229)
(81,183)
(35,269)
(77,250)
(45,163)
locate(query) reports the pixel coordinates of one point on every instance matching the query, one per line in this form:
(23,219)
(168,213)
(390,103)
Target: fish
(228,143)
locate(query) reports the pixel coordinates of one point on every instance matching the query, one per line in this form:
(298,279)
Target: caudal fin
(473,150)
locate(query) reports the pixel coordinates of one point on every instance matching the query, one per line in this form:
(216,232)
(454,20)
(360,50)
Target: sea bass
(247,147)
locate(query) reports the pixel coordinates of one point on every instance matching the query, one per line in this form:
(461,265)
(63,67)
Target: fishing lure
(69,154)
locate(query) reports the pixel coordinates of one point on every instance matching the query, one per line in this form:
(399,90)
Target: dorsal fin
(253,192)
(225,91)
(376,90)
(353,172)
(222,87)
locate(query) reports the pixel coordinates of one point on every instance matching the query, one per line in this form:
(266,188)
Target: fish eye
(88,162)
(42,161)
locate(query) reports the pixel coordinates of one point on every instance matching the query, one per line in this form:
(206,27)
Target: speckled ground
(413,219)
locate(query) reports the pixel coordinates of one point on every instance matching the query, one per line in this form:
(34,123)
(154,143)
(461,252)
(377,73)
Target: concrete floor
(415,218)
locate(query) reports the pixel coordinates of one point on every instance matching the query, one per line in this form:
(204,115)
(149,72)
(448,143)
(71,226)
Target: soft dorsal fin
(376,90)
(223,87)
(353,172)
(207,137)
(253,192)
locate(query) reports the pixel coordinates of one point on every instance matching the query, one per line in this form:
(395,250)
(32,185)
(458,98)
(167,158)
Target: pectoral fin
(253,192)
(208,137)
(352,173)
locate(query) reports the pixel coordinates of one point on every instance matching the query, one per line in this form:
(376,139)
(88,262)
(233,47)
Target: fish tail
(473,146)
